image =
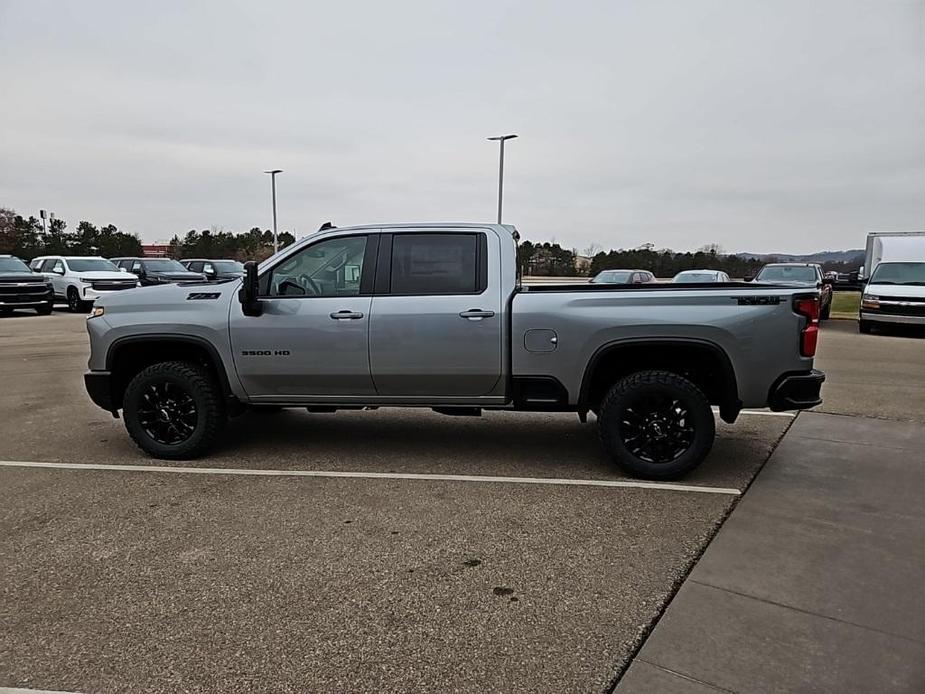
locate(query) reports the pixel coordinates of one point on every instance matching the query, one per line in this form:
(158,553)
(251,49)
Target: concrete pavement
(814,582)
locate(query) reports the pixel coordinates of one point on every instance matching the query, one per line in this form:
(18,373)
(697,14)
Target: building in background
(155,250)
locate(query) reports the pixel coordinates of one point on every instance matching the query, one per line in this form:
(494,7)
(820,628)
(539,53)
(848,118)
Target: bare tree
(591,250)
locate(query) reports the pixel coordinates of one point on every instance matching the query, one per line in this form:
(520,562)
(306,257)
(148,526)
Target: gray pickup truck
(434,315)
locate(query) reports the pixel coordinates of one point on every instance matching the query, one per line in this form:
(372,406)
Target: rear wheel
(173,410)
(656,425)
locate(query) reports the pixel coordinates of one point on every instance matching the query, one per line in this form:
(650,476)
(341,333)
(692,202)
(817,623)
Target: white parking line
(631,484)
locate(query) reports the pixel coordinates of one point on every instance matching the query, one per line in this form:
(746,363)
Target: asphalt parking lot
(125,580)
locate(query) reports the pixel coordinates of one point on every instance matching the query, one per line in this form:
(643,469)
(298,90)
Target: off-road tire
(662,385)
(198,383)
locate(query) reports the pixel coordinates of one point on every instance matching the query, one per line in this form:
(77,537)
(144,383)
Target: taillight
(808,307)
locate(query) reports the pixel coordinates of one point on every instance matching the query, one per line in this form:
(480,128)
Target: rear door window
(436,264)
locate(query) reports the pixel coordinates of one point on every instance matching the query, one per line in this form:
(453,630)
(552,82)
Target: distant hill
(852,256)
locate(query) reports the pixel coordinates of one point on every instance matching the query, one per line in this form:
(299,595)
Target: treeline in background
(25,237)
(255,244)
(551,260)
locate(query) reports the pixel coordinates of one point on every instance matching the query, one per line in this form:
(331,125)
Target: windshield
(90,265)
(163,265)
(613,277)
(899,273)
(787,273)
(228,266)
(13,265)
(695,277)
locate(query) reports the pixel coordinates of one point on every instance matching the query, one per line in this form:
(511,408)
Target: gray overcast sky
(764,126)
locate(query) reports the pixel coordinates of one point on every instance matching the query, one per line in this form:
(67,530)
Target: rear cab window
(435,264)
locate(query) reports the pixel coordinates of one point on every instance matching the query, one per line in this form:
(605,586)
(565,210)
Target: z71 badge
(758,300)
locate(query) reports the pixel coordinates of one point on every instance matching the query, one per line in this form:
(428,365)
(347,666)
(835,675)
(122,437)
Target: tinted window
(787,273)
(434,264)
(329,268)
(13,265)
(163,265)
(899,273)
(613,277)
(90,264)
(228,266)
(698,277)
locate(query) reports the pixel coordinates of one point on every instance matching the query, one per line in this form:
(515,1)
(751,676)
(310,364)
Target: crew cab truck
(433,315)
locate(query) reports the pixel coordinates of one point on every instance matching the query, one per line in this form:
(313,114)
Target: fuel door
(541,340)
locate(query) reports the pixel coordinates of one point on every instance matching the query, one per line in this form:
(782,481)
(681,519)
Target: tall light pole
(273,187)
(501,139)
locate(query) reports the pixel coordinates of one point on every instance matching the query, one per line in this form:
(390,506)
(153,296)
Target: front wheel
(74,304)
(174,410)
(656,425)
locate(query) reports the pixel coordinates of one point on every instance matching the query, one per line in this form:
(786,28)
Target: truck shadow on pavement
(498,443)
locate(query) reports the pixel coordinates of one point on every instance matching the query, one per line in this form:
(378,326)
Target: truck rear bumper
(796,391)
(98,384)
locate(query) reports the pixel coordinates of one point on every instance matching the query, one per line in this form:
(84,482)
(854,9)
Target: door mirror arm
(250,290)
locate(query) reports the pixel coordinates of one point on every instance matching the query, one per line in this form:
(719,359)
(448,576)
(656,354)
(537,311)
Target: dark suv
(20,287)
(157,270)
(800,275)
(215,270)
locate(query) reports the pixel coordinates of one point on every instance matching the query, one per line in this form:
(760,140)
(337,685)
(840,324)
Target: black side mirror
(250,290)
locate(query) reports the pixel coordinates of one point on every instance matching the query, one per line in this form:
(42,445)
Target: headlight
(96,312)
(870,301)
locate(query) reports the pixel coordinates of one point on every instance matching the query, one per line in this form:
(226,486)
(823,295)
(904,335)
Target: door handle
(476,314)
(346,315)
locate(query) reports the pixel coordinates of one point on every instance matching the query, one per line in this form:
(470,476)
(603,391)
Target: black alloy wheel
(167,412)
(656,427)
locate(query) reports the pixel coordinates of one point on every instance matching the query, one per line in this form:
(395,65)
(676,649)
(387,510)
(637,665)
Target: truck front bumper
(796,391)
(99,388)
(882,317)
(27,299)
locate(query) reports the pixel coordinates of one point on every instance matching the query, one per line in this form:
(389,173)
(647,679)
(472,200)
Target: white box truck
(894,279)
